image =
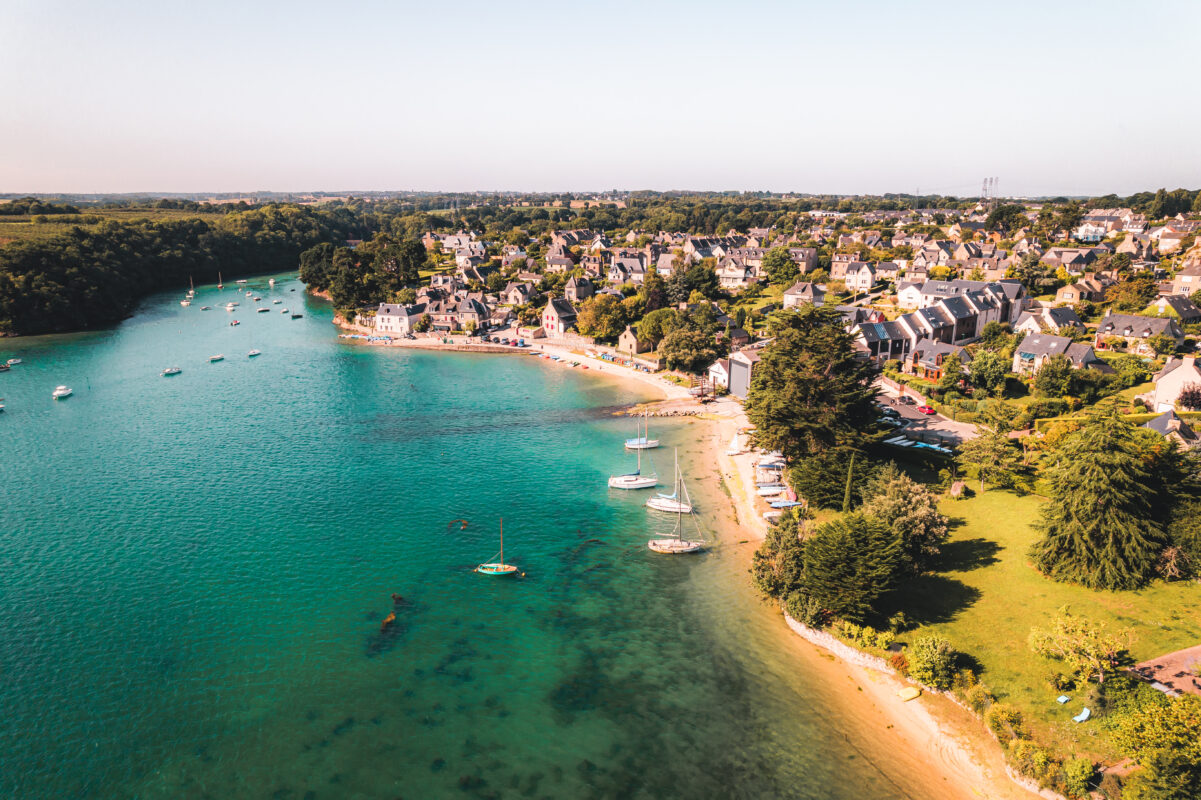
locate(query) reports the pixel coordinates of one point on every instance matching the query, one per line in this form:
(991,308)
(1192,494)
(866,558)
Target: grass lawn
(989,597)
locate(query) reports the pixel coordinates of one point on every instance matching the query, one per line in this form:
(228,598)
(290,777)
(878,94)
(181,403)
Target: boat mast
(502,541)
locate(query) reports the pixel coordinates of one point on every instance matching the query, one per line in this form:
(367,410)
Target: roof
(1170,422)
(1117,324)
(562,307)
(1039,344)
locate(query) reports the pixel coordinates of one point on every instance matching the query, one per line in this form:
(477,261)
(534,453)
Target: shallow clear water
(195,570)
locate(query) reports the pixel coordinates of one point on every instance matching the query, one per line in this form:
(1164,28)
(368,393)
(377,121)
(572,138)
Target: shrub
(1006,723)
(1034,761)
(932,662)
(899,623)
(884,639)
(900,663)
(979,698)
(807,611)
(1078,774)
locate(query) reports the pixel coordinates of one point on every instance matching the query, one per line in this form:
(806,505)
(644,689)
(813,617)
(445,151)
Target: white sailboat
(676,544)
(635,479)
(643,442)
(220,285)
(678,502)
(191,287)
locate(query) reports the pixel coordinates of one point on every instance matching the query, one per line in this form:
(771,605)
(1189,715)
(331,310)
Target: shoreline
(947,737)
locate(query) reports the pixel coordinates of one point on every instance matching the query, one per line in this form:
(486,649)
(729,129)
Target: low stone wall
(839,648)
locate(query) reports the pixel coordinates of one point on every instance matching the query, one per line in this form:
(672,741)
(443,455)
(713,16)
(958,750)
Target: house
(927,359)
(801,292)
(909,295)
(558,317)
(719,373)
(1178,306)
(1033,352)
(860,276)
(472,313)
(1090,288)
(1048,319)
(741,365)
(1171,426)
(1176,375)
(733,274)
(1136,330)
(628,342)
(578,289)
(1187,280)
(399,319)
(517,294)
(627,269)
(805,258)
(885,340)
(888,271)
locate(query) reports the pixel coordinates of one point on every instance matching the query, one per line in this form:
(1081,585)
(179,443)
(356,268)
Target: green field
(17,228)
(989,597)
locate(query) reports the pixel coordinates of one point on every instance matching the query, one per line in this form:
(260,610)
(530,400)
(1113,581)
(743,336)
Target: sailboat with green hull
(498,567)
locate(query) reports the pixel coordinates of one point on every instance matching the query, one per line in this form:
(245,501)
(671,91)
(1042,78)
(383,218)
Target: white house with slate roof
(399,319)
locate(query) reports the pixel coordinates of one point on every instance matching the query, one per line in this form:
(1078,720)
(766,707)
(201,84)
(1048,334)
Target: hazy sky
(1052,97)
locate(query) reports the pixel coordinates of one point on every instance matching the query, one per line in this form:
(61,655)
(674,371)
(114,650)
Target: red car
(926,410)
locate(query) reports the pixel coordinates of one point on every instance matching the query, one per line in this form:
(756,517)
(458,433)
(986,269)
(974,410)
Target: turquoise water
(195,571)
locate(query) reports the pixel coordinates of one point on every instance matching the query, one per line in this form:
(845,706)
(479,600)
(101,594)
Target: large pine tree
(809,391)
(1101,528)
(849,562)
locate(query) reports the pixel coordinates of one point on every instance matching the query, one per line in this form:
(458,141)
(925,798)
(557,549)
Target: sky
(840,96)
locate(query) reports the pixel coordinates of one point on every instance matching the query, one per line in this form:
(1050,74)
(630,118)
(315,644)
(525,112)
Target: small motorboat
(12,362)
(171,371)
(4,367)
(230,306)
(205,308)
(215,358)
(297,316)
(257,299)
(276,302)
(263,310)
(60,392)
(271,281)
(235,322)
(241,280)
(283,311)
(250,294)
(185,302)
(254,353)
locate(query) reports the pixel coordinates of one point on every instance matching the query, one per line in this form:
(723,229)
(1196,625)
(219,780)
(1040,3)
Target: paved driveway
(924,427)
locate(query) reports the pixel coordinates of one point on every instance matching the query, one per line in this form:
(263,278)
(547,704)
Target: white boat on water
(643,442)
(254,353)
(276,302)
(678,502)
(12,362)
(263,310)
(283,311)
(676,544)
(241,280)
(171,371)
(271,281)
(185,302)
(60,392)
(248,294)
(205,308)
(635,479)
(230,306)
(215,358)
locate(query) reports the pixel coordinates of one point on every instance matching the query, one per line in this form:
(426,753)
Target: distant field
(23,227)
(988,600)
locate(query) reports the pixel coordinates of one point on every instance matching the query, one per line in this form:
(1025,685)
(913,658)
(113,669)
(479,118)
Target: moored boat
(254,353)
(12,362)
(263,310)
(60,392)
(297,316)
(643,442)
(171,371)
(498,567)
(635,479)
(676,502)
(215,358)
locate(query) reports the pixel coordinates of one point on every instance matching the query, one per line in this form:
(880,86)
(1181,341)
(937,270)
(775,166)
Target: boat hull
(642,444)
(632,482)
(670,506)
(496,569)
(674,546)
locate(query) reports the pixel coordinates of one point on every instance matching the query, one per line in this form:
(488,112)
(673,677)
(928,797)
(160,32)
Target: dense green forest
(94,276)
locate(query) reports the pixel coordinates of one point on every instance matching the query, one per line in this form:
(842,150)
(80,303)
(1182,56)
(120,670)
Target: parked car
(907,400)
(926,410)
(890,412)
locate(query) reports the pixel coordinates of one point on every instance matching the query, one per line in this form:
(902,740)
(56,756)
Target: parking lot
(923,427)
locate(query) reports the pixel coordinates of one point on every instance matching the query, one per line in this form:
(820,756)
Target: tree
(952,373)
(1006,218)
(1084,647)
(932,662)
(657,324)
(1129,370)
(407,296)
(654,291)
(1054,377)
(911,511)
(1099,528)
(988,370)
(780,267)
(689,350)
(1165,739)
(423,324)
(848,563)
(990,455)
(1190,396)
(822,477)
(778,564)
(1161,344)
(601,316)
(809,391)
(1133,294)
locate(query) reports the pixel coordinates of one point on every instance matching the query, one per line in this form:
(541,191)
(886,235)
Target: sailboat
(673,502)
(643,442)
(635,479)
(191,287)
(220,285)
(676,544)
(498,567)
